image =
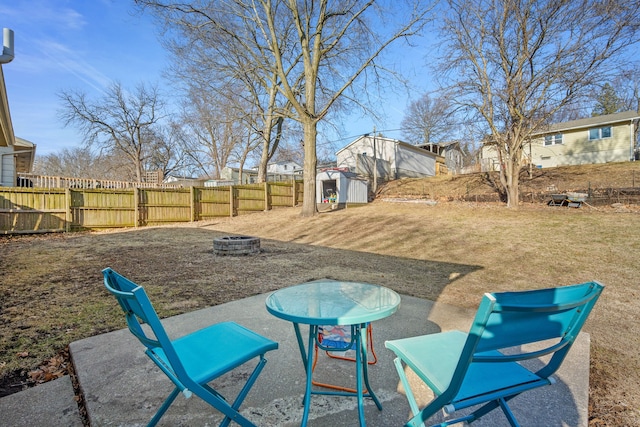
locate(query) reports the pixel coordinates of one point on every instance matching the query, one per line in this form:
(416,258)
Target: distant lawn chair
(482,366)
(196,359)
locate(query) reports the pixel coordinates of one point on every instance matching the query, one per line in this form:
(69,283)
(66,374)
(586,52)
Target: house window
(599,133)
(553,139)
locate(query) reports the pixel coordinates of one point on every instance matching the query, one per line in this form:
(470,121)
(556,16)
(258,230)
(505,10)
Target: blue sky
(87,44)
(63,45)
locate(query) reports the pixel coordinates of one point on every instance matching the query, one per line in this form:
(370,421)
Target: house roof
(607,119)
(391,140)
(25,153)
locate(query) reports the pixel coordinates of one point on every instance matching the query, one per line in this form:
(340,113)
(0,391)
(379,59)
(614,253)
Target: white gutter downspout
(7,46)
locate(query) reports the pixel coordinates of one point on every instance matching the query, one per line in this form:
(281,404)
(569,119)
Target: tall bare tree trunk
(309,207)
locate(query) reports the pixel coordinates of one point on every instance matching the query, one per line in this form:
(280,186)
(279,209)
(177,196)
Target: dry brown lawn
(51,291)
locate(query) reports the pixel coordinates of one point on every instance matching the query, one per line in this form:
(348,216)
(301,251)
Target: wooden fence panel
(158,206)
(27,210)
(102,208)
(299,186)
(30,210)
(281,194)
(212,202)
(250,198)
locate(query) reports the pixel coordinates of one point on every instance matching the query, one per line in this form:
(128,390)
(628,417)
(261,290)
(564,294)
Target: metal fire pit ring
(236,245)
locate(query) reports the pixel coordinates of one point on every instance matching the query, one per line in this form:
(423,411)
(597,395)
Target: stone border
(236,245)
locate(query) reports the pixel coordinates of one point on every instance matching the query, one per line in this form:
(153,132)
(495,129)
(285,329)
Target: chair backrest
(139,311)
(552,318)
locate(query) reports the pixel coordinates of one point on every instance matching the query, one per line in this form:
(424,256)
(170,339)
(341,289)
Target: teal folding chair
(196,359)
(483,367)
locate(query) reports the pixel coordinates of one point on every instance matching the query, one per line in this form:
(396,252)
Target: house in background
(16,154)
(449,154)
(284,168)
(599,139)
(278,171)
(386,159)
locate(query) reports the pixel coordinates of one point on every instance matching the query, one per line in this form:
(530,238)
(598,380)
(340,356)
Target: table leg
(303,353)
(307,358)
(365,365)
(362,374)
(360,360)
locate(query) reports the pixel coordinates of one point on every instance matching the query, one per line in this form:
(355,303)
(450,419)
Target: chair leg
(508,413)
(407,389)
(231,412)
(490,406)
(245,390)
(164,407)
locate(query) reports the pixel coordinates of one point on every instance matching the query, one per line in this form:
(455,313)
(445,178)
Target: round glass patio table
(329,302)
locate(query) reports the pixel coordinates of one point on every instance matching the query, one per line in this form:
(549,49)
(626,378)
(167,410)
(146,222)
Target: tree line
(259,79)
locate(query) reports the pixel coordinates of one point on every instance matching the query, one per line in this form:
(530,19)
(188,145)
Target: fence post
(293,191)
(136,206)
(68,214)
(231,201)
(193,203)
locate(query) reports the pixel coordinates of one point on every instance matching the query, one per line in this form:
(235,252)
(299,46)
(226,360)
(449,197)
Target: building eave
(7,136)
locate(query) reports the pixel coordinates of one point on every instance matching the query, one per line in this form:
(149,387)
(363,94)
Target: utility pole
(375,163)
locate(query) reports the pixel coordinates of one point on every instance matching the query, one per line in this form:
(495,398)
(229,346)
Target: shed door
(329,189)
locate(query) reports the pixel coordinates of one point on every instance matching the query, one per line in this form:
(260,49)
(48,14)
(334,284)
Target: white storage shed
(341,187)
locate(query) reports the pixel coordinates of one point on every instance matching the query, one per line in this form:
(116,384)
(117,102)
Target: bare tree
(313,53)
(120,122)
(79,162)
(213,131)
(339,42)
(627,85)
(218,45)
(516,63)
(428,120)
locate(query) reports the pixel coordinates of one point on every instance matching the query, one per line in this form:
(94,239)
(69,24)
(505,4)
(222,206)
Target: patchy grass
(51,289)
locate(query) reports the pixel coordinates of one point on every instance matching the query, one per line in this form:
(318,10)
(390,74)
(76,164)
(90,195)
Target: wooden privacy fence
(44,210)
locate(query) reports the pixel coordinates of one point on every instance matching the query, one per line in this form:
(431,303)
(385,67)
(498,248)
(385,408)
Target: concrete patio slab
(122,387)
(51,404)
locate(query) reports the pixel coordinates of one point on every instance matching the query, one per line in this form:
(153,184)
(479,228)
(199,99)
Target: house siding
(577,149)
(394,159)
(7,167)
(410,165)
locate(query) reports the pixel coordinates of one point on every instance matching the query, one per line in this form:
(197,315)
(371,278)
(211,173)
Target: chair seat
(435,357)
(217,349)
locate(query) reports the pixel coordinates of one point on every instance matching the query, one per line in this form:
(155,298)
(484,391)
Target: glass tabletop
(333,302)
